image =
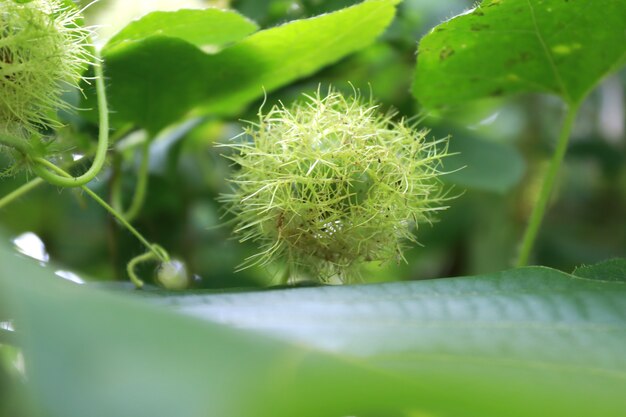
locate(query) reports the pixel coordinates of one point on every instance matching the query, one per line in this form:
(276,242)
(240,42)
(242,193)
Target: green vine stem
(540,206)
(103,142)
(14,143)
(156,250)
(156,253)
(139,195)
(19,192)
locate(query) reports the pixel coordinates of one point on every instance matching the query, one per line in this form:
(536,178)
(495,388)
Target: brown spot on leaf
(446,53)
(510,62)
(476,27)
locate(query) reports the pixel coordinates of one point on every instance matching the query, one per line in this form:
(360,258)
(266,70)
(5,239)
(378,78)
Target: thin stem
(142,184)
(101,150)
(540,206)
(130,268)
(158,253)
(13,142)
(139,195)
(15,194)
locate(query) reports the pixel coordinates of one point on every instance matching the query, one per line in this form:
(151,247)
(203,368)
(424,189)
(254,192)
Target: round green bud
(332,182)
(173,275)
(43,50)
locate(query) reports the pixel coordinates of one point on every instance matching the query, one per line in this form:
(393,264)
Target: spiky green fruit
(332,182)
(43,50)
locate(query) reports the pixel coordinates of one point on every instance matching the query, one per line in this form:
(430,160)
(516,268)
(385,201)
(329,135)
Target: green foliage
(156,80)
(528,342)
(332,182)
(512,46)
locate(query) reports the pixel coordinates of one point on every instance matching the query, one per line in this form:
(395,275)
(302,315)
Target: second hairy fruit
(43,49)
(332,182)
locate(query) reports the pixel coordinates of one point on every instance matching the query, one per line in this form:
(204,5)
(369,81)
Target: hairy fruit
(332,182)
(43,50)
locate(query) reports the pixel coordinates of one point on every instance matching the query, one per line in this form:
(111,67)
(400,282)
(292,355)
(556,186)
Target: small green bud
(173,275)
(43,50)
(332,182)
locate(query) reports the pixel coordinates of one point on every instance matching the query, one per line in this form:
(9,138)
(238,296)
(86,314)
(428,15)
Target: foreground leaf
(91,353)
(529,342)
(156,81)
(513,46)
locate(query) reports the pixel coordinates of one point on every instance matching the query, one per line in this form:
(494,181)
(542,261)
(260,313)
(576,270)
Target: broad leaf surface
(210,28)
(513,46)
(155,81)
(529,342)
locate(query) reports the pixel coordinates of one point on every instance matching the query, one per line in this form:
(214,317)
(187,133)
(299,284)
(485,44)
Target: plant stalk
(159,254)
(103,144)
(549,179)
(139,195)
(15,194)
(14,143)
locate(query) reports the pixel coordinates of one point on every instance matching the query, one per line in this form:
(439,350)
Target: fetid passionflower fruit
(332,182)
(43,50)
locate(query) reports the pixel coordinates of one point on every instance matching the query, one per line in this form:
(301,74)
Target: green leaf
(609,270)
(158,80)
(483,165)
(528,342)
(208,29)
(120,356)
(516,46)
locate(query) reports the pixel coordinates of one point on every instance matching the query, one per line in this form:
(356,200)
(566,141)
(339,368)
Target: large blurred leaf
(529,342)
(156,80)
(509,46)
(90,353)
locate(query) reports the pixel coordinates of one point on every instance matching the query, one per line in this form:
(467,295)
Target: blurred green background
(504,145)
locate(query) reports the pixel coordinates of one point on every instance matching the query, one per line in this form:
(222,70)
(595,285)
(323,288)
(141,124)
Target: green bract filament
(43,50)
(332,182)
